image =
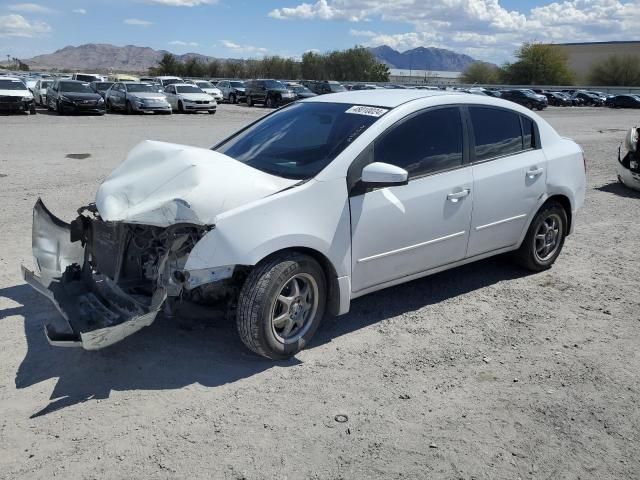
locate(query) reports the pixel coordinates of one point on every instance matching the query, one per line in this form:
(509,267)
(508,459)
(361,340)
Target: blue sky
(485,29)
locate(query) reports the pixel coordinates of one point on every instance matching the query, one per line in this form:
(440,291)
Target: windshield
(188,89)
(300,140)
(12,85)
(336,87)
(204,85)
(87,78)
(75,87)
(237,84)
(45,84)
(141,87)
(103,86)
(274,84)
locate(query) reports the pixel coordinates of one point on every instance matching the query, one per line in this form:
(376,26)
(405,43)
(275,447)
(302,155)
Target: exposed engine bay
(109,279)
(628,167)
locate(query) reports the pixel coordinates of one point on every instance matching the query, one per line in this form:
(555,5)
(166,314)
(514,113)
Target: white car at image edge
(309,207)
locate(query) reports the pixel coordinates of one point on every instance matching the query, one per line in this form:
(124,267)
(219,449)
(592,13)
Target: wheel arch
(329,270)
(566,204)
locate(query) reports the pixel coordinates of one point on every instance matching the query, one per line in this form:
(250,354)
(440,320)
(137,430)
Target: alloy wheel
(547,237)
(294,308)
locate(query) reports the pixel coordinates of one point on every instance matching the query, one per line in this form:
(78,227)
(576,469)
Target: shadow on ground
(619,189)
(164,356)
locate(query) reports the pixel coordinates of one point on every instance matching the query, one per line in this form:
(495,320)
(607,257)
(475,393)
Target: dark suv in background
(271,93)
(320,87)
(526,98)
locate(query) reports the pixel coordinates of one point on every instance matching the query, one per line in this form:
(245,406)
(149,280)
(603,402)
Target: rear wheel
(281,305)
(269,102)
(545,238)
(249,101)
(529,105)
(232,99)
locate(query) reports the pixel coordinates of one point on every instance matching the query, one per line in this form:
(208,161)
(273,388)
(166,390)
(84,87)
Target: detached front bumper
(97,312)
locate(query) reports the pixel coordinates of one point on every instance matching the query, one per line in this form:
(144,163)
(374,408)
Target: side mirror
(380,174)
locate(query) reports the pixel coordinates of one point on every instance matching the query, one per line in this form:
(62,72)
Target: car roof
(382,98)
(182,85)
(11,78)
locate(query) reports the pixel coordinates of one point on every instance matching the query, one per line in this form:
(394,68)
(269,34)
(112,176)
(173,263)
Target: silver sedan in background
(136,97)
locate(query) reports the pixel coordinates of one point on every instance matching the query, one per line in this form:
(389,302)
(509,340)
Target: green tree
(193,68)
(168,65)
(538,64)
(616,70)
(481,72)
(313,67)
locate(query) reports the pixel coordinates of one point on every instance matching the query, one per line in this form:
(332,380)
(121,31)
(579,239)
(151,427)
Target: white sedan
(185,97)
(311,206)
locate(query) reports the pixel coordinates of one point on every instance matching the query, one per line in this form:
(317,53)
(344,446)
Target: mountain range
(100,57)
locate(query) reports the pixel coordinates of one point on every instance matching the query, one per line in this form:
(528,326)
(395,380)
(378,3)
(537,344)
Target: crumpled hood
(163,184)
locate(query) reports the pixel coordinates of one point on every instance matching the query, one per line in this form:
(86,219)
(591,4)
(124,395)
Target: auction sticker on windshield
(370,111)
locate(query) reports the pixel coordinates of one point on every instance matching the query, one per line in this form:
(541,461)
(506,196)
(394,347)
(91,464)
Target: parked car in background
(575,102)
(87,77)
(136,97)
(322,87)
(271,93)
(74,96)
(557,100)
(185,97)
(15,96)
(40,91)
(30,82)
(589,99)
(100,87)
(167,80)
(526,98)
(305,210)
(208,87)
(300,91)
(119,77)
(233,91)
(624,101)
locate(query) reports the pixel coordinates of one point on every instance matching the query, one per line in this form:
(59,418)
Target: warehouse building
(582,56)
(423,77)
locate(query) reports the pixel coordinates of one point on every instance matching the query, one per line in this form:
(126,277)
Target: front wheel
(545,238)
(281,305)
(232,99)
(249,101)
(59,108)
(129,108)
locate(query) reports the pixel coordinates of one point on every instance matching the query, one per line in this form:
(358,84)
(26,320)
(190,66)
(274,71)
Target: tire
(529,255)
(129,108)
(59,108)
(269,102)
(233,99)
(529,105)
(109,106)
(249,101)
(180,107)
(32,109)
(258,303)
(212,112)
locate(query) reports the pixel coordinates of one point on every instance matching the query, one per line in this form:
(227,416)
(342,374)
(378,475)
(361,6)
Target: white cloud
(243,49)
(17,26)
(79,11)
(182,3)
(30,8)
(483,28)
(180,43)
(137,22)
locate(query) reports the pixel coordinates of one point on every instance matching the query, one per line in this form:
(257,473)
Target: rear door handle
(455,196)
(534,172)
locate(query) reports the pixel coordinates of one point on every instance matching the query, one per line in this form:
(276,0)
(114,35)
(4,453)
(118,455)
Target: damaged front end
(107,279)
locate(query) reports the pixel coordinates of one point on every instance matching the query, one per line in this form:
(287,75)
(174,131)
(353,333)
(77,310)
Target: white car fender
(248,234)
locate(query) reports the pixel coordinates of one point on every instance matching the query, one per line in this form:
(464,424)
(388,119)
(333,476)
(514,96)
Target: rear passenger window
(425,143)
(497,132)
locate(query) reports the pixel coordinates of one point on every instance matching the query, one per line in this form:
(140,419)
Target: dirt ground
(482,372)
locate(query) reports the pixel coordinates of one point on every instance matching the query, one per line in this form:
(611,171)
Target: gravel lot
(482,372)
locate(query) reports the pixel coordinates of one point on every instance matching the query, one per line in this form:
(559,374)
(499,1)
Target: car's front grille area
(10,100)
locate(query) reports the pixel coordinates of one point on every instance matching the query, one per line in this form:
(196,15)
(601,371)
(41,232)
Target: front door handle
(534,172)
(456,196)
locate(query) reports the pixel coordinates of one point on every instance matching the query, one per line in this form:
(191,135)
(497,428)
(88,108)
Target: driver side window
(425,143)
